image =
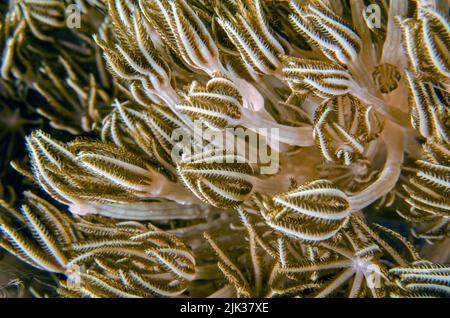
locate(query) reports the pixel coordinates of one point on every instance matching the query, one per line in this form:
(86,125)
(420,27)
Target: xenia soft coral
(362,114)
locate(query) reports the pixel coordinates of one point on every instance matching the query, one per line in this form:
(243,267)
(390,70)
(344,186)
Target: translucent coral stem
(178,193)
(391,49)
(361,71)
(155,211)
(264,124)
(207,272)
(367,52)
(336,283)
(392,113)
(274,185)
(394,141)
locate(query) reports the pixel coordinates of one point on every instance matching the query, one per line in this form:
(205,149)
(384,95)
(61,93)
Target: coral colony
(232,148)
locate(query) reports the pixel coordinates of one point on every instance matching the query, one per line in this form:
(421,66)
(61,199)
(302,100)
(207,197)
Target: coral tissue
(236,148)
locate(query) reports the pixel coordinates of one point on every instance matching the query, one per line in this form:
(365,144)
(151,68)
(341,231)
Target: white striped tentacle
(435,39)
(250,33)
(313,212)
(220,104)
(428,108)
(181,28)
(337,40)
(343,127)
(217,177)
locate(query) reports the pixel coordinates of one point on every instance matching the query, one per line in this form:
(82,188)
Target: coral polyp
(238,148)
